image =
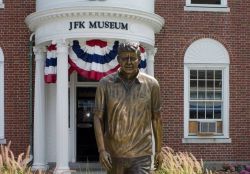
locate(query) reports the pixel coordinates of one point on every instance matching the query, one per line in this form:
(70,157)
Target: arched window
(2,138)
(206,92)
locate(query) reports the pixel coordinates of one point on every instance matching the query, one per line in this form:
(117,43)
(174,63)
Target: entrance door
(86,144)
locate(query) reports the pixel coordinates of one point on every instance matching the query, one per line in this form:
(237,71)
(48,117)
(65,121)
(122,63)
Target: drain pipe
(31,43)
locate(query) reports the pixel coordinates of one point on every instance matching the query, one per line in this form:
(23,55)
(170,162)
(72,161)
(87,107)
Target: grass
(181,163)
(11,165)
(173,163)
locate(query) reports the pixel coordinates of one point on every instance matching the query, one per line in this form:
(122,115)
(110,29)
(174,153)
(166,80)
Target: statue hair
(130,47)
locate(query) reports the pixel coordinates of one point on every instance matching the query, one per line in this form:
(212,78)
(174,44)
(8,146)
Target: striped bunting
(93,60)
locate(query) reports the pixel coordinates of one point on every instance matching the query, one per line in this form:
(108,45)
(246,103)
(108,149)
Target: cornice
(36,19)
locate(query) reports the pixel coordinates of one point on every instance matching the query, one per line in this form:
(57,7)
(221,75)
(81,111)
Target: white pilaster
(150,61)
(62,135)
(39,111)
(2,137)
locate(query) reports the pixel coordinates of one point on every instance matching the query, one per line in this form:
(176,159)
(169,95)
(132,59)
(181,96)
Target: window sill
(209,9)
(2,141)
(1,5)
(206,140)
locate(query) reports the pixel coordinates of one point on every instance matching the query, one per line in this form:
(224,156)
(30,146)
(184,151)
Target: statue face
(129,62)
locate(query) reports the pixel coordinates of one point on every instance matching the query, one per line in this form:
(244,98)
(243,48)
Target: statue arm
(157,129)
(157,125)
(98,125)
(104,156)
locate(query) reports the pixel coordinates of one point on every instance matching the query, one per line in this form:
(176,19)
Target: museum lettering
(98,25)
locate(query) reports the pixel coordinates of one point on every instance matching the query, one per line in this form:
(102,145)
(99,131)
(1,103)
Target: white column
(62,134)
(39,111)
(2,137)
(150,71)
(150,61)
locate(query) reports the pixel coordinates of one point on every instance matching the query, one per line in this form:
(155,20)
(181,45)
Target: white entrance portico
(61,22)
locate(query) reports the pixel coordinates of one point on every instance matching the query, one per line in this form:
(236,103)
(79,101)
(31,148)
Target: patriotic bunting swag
(93,61)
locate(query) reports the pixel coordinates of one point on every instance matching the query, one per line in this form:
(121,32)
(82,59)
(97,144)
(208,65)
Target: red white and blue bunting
(93,60)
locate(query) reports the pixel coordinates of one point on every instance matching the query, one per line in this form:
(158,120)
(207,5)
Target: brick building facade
(190,31)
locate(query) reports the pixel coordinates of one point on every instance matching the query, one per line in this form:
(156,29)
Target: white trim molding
(1,4)
(208,9)
(207,54)
(2,136)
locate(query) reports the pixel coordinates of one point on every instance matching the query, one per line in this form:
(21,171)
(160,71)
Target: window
(207,5)
(206,92)
(1,4)
(2,139)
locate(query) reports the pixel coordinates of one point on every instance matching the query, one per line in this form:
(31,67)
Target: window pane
(201,114)
(219,126)
(201,110)
(201,74)
(212,127)
(193,110)
(193,84)
(209,110)
(217,114)
(193,105)
(210,74)
(217,110)
(210,85)
(193,74)
(218,84)
(218,74)
(218,95)
(209,114)
(193,95)
(193,113)
(210,95)
(206,1)
(201,84)
(201,94)
(209,105)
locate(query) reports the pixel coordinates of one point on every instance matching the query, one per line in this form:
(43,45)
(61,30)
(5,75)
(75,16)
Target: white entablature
(54,24)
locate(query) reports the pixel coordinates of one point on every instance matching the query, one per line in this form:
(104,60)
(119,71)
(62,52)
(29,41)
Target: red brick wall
(14,37)
(233,31)
(182,27)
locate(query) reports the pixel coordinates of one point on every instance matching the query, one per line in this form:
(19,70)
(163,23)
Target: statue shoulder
(149,78)
(109,78)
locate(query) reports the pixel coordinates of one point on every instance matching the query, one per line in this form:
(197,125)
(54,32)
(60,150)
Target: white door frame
(73,84)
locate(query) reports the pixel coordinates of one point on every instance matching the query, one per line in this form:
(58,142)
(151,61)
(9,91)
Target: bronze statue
(127,103)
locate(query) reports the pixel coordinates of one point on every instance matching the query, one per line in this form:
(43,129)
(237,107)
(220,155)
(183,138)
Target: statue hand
(105,160)
(158,160)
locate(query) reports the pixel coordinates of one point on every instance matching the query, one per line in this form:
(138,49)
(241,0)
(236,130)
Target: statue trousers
(137,165)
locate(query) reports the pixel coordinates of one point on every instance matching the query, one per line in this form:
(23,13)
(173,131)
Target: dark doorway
(86,143)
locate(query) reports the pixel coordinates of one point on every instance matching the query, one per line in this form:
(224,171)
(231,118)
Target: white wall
(143,5)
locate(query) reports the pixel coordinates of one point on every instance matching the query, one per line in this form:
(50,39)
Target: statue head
(129,56)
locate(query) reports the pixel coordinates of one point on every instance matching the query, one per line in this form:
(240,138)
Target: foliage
(236,168)
(181,163)
(10,165)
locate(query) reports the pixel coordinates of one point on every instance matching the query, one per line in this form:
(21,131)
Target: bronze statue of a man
(127,104)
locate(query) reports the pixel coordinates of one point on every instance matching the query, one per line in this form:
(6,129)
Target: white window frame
(200,60)
(2,136)
(223,7)
(1,4)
